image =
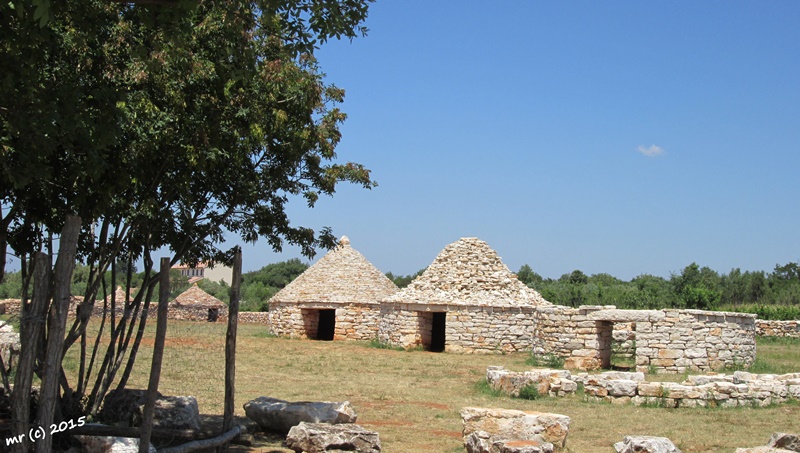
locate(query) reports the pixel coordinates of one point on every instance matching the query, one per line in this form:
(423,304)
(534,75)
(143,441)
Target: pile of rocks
(313,427)
(512,431)
(712,389)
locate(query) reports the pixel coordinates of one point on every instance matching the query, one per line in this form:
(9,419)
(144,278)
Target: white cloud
(651,151)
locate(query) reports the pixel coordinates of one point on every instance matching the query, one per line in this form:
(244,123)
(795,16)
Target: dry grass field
(413,398)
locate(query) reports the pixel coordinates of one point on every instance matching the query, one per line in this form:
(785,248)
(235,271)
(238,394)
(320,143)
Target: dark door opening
(327,325)
(437,332)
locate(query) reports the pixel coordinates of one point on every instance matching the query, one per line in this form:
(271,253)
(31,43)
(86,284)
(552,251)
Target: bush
(529,392)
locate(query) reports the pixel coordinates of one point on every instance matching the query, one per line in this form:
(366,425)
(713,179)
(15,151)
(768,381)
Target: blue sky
(618,137)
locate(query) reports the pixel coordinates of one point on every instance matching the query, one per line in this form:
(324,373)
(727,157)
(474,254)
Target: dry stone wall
(709,390)
(668,340)
(468,329)
(767,328)
(353,321)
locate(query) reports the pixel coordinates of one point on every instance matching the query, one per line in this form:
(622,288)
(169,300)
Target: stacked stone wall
(178,313)
(695,340)
(355,321)
(254,317)
(468,329)
(667,340)
(710,390)
(767,328)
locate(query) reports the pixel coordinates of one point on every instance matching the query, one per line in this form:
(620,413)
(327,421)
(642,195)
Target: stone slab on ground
(327,438)
(110,444)
(483,442)
(645,444)
(510,424)
(126,407)
(778,443)
(280,416)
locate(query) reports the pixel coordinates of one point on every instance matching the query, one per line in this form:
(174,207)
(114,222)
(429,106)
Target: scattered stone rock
(509,424)
(786,441)
(327,438)
(483,442)
(126,408)
(645,444)
(174,412)
(280,416)
(109,444)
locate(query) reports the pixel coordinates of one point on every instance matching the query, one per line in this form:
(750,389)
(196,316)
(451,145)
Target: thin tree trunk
(57,326)
(230,347)
(32,322)
(158,354)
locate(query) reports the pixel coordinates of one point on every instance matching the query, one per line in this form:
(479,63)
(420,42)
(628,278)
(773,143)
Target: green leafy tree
(157,127)
(527,276)
(697,287)
(404,280)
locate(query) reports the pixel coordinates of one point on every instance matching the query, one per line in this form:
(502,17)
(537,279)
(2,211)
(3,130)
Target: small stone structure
(194,304)
(466,301)
(336,298)
(670,340)
(710,390)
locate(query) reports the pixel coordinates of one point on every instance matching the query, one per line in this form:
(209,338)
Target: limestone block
(620,387)
(650,389)
(276,415)
(786,441)
(648,444)
(515,424)
(324,437)
(109,444)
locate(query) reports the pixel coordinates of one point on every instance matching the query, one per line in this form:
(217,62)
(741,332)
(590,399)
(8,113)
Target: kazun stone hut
(194,304)
(336,298)
(466,301)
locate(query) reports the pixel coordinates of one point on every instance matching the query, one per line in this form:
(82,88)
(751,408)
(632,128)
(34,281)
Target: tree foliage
(162,128)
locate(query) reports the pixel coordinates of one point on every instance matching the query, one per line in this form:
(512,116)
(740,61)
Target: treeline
(774,295)
(257,286)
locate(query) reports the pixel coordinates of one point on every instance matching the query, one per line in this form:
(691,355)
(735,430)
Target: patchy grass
(413,400)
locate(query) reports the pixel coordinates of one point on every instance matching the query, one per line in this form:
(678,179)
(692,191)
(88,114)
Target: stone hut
(467,300)
(194,304)
(336,298)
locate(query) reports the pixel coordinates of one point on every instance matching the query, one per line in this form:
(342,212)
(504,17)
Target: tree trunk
(230,346)
(57,326)
(158,353)
(32,322)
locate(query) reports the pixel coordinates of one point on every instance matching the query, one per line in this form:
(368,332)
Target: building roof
(197,298)
(342,276)
(468,272)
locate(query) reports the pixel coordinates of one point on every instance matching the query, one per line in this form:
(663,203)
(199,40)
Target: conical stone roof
(342,276)
(195,297)
(468,272)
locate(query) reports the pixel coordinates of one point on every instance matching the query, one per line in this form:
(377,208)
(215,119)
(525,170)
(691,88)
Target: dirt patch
(441,432)
(387,423)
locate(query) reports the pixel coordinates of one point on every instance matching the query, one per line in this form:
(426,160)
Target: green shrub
(529,392)
(546,360)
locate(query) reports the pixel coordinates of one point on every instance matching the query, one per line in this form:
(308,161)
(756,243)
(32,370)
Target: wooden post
(56,328)
(158,354)
(230,346)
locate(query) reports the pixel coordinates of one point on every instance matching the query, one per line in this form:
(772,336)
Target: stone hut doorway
(327,324)
(605,336)
(438,325)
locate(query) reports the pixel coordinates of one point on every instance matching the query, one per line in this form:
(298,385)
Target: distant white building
(204,270)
